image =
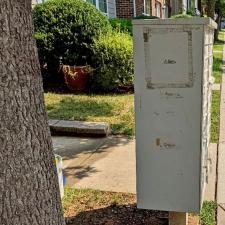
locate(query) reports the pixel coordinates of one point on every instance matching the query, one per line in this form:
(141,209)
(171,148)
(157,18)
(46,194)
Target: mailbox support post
(178,218)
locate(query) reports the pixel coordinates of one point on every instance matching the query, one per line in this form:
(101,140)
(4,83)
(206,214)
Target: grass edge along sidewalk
(117,110)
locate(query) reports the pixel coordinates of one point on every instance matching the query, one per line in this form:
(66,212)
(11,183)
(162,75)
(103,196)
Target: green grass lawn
(218,47)
(208,213)
(217,73)
(117,110)
(215,117)
(217,66)
(218,58)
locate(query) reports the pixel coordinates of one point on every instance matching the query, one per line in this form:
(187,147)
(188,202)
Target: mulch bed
(119,215)
(111,209)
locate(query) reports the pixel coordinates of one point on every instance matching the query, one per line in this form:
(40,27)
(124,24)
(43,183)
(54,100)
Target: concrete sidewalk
(108,164)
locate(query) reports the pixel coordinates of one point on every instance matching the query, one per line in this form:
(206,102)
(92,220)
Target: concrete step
(79,128)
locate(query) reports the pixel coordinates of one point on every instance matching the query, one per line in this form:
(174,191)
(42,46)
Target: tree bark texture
(29,192)
(216,32)
(211,8)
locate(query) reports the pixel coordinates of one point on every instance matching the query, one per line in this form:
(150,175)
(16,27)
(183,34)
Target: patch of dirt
(92,207)
(111,209)
(118,215)
(193,220)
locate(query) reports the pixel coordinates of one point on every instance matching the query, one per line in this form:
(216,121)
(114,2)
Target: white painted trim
(144,7)
(134,5)
(97,4)
(115,8)
(107,8)
(97,7)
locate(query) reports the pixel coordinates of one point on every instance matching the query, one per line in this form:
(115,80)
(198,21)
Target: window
(166,11)
(147,7)
(92,2)
(100,4)
(158,9)
(103,6)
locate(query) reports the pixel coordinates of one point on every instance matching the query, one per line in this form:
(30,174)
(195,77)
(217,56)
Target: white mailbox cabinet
(173,82)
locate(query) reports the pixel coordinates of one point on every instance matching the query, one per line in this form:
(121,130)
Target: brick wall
(139,7)
(153,7)
(124,8)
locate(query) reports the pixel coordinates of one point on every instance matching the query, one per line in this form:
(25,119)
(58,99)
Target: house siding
(111,9)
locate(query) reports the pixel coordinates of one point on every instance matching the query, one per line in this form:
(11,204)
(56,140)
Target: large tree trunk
(211,8)
(29,192)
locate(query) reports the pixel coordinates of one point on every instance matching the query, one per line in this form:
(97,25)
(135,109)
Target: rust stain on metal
(158,141)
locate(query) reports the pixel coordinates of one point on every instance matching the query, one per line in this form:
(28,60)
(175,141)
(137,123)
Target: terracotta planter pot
(76,77)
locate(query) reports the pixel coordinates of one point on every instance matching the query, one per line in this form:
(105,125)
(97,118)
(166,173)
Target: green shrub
(181,16)
(125,25)
(122,25)
(191,11)
(113,55)
(66,29)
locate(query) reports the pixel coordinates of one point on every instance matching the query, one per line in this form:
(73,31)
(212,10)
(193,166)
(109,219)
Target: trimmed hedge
(122,25)
(113,55)
(181,16)
(125,25)
(65,30)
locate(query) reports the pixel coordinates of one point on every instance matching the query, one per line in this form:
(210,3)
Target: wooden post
(178,218)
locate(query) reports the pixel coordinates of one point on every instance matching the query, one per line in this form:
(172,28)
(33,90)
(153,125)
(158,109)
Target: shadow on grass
(219,42)
(76,109)
(119,215)
(217,62)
